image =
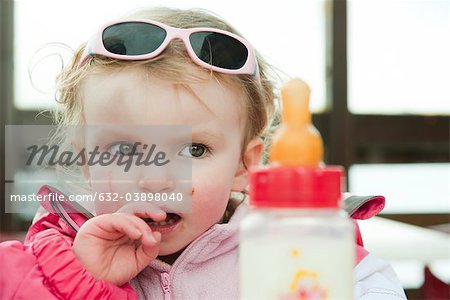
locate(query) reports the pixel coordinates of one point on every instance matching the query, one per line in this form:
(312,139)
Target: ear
(252,156)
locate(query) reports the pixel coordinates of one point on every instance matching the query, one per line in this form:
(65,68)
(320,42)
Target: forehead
(133,96)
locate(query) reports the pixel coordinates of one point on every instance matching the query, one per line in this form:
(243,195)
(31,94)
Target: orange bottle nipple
(297,142)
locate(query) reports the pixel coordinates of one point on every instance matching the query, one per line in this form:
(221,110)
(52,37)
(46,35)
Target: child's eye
(194,150)
(123,148)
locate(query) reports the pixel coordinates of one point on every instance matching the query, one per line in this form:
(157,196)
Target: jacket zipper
(165,277)
(165,284)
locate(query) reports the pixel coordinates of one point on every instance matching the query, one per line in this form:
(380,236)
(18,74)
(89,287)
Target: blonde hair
(174,65)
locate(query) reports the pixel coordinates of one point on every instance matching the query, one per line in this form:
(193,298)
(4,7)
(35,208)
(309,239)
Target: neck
(171,258)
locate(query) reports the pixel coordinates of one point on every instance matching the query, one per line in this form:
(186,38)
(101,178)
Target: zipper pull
(165,284)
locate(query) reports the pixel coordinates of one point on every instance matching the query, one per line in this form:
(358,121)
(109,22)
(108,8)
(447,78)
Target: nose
(156,185)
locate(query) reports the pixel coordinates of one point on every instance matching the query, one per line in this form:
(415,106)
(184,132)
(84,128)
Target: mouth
(166,226)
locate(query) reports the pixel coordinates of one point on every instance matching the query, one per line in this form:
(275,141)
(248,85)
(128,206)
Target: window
(409,188)
(399,62)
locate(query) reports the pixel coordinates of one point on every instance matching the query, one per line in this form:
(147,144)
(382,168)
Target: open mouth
(171,219)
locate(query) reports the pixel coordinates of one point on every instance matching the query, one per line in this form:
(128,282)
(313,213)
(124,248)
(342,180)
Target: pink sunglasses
(211,48)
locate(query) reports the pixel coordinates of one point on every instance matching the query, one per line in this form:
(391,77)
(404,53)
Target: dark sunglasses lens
(219,50)
(133,38)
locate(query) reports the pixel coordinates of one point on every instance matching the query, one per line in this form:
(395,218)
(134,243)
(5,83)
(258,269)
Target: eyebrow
(208,134)
(105,133)
(197,134)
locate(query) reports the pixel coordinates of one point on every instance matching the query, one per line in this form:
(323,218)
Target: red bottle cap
(296,187)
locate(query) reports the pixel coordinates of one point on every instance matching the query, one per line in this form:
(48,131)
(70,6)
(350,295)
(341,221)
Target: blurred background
(379,73)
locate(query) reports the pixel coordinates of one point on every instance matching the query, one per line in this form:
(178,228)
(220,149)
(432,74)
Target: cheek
(209,200)
(211,188)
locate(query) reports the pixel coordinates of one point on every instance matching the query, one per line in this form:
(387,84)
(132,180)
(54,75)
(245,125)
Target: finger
(157,236)
(144,210)
(151,238)
(138,223)
(117,223)
(148,250)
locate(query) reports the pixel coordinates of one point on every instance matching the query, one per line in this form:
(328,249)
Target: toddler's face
(131,97)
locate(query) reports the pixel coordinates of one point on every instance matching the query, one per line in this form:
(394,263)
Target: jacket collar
(217,240)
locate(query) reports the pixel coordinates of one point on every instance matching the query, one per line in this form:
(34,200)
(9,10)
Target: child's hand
(116,247)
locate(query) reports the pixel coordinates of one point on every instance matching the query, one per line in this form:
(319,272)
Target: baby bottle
(296,242)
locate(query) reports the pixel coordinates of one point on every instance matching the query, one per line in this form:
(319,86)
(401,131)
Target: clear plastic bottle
(296,242)
(292,249)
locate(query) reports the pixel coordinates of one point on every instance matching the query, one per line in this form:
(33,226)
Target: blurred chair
(433,288)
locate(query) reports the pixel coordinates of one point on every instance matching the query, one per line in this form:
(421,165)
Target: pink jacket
(44,267)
